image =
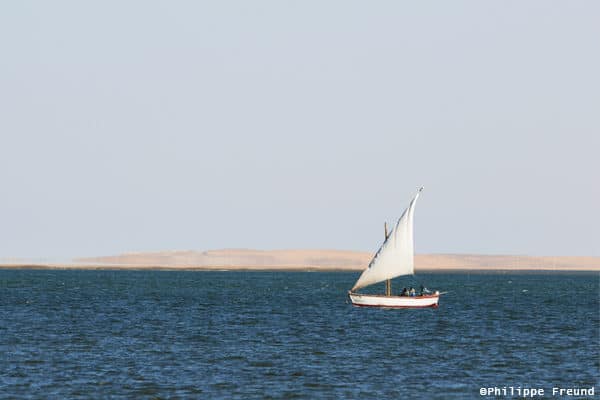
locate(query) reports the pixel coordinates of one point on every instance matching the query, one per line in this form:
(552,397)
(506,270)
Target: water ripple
(153,334)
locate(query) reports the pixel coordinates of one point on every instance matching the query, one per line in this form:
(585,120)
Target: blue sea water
(245,335)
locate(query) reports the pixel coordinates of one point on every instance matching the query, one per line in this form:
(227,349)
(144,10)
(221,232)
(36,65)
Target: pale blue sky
(142,126)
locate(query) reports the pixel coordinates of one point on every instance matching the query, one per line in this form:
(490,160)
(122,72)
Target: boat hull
(374,300)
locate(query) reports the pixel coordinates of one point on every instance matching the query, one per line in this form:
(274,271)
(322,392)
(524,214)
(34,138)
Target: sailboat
(394,258)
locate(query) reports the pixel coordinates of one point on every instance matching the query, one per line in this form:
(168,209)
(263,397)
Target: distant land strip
(311,260)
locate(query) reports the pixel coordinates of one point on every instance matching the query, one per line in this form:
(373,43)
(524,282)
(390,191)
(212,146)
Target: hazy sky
(144,125)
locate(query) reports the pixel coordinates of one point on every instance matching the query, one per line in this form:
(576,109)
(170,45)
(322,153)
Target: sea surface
(259,335)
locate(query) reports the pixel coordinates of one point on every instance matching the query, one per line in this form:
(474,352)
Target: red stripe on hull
(378,306)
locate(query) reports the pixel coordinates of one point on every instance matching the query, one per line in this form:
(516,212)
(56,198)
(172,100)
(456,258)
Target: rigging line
(418,280)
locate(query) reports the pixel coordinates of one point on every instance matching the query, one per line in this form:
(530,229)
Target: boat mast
(388,282)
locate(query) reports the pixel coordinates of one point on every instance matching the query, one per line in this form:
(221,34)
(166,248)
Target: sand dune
(246,259)
(334,260)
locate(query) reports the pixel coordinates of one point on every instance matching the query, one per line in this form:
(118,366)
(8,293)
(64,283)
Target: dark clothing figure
(404,292)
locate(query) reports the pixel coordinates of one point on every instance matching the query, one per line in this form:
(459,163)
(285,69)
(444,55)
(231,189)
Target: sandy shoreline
(310,260)
(263,269)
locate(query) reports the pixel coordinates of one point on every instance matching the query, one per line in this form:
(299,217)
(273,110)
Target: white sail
(395,257)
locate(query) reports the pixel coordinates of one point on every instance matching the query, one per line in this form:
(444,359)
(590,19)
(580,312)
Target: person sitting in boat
(404,292)
(412,292)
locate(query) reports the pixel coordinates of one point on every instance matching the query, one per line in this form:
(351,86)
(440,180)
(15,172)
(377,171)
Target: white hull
(374,300)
